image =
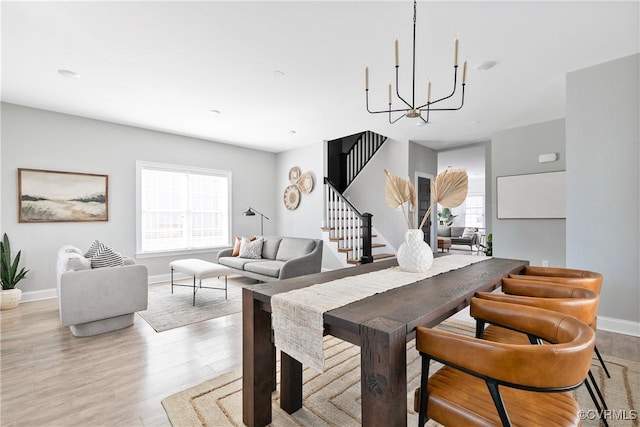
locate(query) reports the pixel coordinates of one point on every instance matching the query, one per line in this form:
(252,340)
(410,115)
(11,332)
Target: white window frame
(484,210)
(178,168)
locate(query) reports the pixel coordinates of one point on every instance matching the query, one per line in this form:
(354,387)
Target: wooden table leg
(258,363)
(383,373)
(290,383)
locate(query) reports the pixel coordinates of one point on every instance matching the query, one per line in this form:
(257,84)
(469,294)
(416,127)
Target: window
(181,208)
(474,212)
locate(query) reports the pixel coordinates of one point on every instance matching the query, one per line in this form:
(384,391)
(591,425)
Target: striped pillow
(91,252)
(106,257)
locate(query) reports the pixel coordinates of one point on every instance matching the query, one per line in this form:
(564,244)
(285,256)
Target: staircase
(346,230)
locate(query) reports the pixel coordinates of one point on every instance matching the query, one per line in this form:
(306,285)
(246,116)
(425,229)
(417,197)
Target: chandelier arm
(455,80)
(398,93)
(393,121)
(450,109)
(381,111)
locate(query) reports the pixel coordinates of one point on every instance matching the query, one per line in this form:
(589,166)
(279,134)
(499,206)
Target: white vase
(10,298)
(414,254)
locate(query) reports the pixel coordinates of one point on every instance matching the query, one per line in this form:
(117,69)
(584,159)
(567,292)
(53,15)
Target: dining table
(380,324)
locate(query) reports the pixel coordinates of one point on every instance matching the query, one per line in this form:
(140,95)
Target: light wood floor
(51,378)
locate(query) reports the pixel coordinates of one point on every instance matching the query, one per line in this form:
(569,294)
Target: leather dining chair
(579,302)
(487,383)
(571,277)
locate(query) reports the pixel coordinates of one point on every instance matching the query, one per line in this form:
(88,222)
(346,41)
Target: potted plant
(445,217)
(488,250)
(10,276)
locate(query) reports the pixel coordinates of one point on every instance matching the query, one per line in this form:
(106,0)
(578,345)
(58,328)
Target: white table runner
(297,315)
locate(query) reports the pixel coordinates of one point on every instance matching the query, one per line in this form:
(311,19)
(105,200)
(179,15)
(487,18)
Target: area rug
(333,397)
(168,311)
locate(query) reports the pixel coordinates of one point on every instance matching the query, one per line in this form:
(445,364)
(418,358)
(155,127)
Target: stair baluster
(346,224)
(361,152)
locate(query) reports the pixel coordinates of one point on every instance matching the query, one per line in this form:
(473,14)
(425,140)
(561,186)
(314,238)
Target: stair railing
(348,224)
(361,152)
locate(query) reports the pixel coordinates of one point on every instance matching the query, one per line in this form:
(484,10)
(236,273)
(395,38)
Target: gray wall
(39,139)
(603,183)
(515,152)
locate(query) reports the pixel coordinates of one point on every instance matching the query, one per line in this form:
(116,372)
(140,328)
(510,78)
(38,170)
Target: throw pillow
(106,257)
(236,246)
(78,262)
(251,249)
(91,252)
(468,232)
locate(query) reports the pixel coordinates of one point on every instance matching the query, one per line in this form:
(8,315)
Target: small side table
(199,269)
(444,243)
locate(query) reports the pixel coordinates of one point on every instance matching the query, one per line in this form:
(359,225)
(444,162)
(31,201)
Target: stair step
(382,256)
(375,258)
(340,239)
(374,245)
(333,228)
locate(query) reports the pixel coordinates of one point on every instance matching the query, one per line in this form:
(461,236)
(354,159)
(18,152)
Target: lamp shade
(249,212)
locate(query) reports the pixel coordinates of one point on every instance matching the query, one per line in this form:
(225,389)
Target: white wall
(306,220)
(40,139)
(515,152)
(603,190)
(366,192)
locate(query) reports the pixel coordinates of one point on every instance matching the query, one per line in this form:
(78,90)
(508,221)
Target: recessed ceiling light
(475,122)
(69,74)
(292,132)
(214,112)
(486,65)
(278,74)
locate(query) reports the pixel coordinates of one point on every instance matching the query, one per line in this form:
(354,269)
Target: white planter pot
(10,298)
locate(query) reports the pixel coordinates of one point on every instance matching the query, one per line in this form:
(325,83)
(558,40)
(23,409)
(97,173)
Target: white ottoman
(199,269)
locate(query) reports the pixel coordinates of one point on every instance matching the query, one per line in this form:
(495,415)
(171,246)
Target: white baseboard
(39,295)
(619,326)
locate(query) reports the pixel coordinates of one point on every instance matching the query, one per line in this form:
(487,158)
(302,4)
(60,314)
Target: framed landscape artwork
(52,196)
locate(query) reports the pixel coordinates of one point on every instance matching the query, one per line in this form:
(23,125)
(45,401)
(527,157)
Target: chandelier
(410,110)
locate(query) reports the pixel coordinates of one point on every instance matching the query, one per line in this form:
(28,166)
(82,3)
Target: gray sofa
(98,300)
(282,258)
(455,234)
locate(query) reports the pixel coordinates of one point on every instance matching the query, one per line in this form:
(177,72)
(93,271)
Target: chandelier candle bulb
(455,56)
(389,94)
(429,91)
(397,55)
(464,72)
(366,78)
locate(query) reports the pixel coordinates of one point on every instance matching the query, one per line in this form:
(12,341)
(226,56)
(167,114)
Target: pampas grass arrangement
(448,189)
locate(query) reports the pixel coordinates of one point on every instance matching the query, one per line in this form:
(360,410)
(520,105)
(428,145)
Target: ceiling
(286,74)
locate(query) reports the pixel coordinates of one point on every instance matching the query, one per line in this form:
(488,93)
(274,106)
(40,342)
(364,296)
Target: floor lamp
(252,212)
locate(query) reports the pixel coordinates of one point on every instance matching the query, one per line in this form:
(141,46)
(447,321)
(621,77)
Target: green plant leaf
(9,274)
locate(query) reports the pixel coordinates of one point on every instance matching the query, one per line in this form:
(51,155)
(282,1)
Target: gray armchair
(98,300)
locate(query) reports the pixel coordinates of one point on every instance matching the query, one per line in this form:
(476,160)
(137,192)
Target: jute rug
(168,311)
(333,397)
